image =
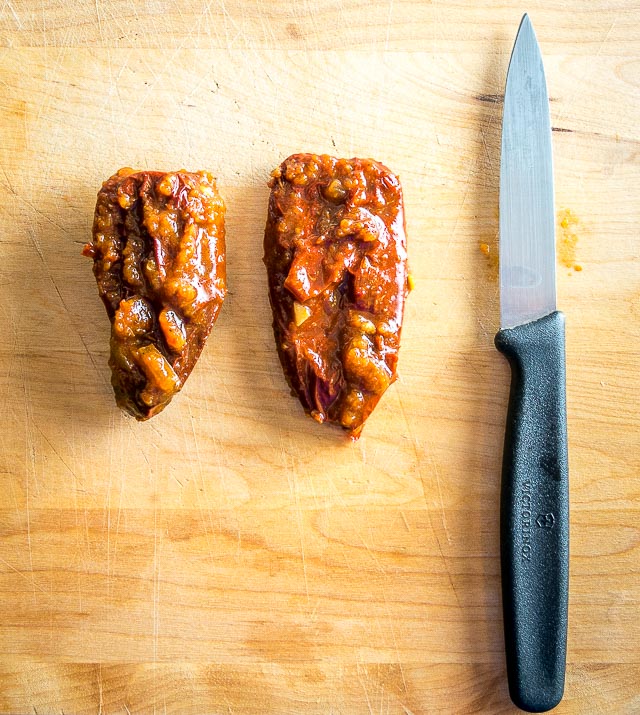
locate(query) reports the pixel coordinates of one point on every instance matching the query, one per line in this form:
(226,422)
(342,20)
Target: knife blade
(534,503)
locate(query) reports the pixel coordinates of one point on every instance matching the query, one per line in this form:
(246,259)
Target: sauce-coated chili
(335,252)
(159,260)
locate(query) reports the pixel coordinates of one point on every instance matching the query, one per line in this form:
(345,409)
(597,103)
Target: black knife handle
(534,513)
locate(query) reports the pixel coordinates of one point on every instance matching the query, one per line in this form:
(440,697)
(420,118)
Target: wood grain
(231,556)
(582,27)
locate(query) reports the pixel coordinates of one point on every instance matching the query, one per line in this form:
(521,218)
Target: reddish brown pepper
(159,261)
(335,252)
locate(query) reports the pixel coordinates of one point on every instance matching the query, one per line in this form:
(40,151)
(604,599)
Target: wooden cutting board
(232,556)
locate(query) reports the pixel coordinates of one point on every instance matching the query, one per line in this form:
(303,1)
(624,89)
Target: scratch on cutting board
(467,186)
(579,86)
(239,32)
(308,12)
(30,448)
(267,27)
(381,694)
(486,151)
(22,574)
(208,20)
(472,166)
(100,694)
(395,640)
(115,83)
(364,687)
(435,468)
(108,507)
(6,177)
(156,586)
(372,554)
(36,245)
(16,17)
(86,531)
(44,31)
(381,91)
(108,514)
(216,25)
(32,459)
(42,215)
(223,479)
(424,494)
(293,488)
(301,532)
(389,14)
(315,494)
(169,63)
(78,542)
(55,451)
(446,531)
(441,500)
(203,482)
(99,19)
(606,37)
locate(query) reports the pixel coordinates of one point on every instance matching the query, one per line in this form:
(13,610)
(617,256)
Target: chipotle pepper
(335,252)
(159,260)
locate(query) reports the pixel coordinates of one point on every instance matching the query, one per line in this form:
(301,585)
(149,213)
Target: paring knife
(534,509)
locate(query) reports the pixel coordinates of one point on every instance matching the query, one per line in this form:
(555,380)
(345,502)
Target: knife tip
(525,33)
(526,21)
